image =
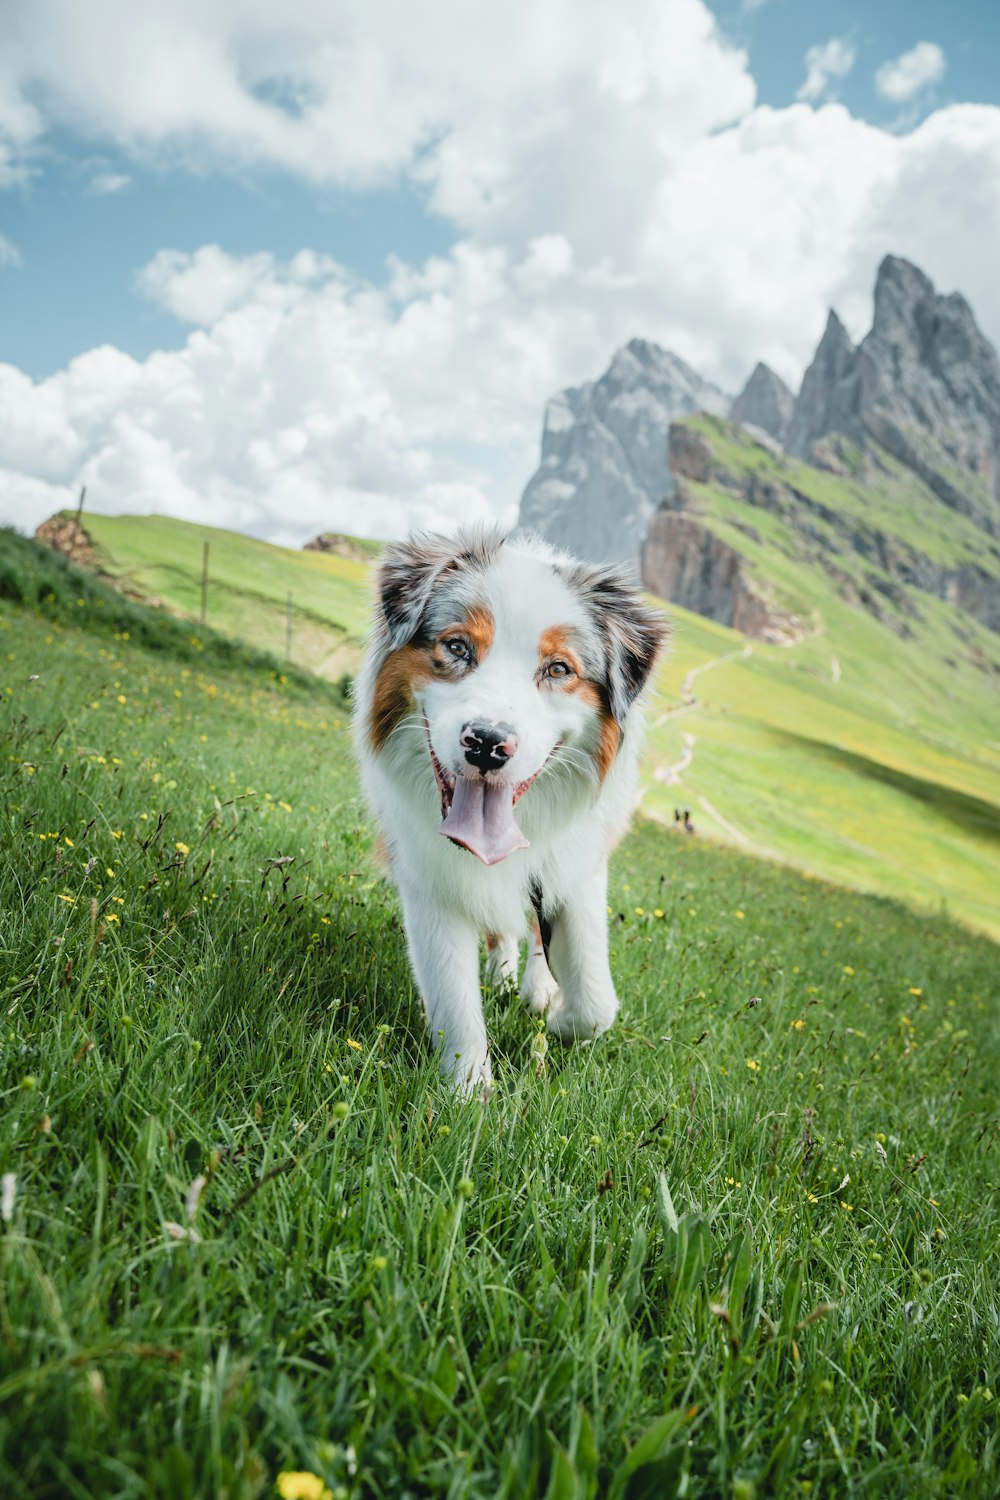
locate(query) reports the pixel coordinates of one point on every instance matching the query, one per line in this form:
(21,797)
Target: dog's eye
(459,648)
(558,669)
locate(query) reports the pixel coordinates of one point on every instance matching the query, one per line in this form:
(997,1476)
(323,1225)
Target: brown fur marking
(609,738)
(480,627)
(400,673)
(556,642)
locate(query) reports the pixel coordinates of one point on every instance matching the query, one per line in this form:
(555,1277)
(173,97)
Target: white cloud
(824,63)
(358,92)
(607,174)
(10,255)
(905,76)
(200,288)
(106,184)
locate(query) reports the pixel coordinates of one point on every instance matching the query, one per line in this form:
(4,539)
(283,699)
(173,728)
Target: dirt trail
(671,775)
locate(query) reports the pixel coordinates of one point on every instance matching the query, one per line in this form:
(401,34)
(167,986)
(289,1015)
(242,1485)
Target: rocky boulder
(340,545)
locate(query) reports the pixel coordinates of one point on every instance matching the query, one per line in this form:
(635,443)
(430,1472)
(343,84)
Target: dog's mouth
(478,812)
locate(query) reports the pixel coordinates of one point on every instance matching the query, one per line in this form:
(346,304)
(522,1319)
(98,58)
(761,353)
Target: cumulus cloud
(357,92)
(606,175)
(106,184)
(903,77)
(825,63)
(200,288)
(10,255)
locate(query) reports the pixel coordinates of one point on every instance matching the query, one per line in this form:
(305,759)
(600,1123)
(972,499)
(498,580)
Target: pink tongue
(481,819)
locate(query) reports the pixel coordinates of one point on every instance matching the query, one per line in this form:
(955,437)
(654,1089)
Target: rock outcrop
(765,404)
(340,545)
(685,562)
(924,383)
(603,469)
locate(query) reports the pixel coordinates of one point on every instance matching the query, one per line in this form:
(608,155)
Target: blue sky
(778,33)
(80,248)
(494,201)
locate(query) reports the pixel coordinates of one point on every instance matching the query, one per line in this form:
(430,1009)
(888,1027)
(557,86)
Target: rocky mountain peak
(924,383)
(828,399)
(765,403)
(899,288)
(604,469)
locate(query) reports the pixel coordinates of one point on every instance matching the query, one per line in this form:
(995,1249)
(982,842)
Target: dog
(497,724)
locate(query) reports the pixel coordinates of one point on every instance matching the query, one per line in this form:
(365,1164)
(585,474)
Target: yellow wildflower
(753,1064)
(181,848)
(299,1484)
(356,1045)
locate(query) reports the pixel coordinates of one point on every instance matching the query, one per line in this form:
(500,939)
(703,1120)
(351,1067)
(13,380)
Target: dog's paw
(570,1026)
(541,993)
(502,963)
(472,1082)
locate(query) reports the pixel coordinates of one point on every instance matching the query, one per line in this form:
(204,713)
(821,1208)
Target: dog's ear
(632,631)
(406,578)
(410,572)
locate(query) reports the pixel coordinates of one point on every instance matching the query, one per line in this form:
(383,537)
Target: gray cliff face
(828,400)
(685,562)
(924,382)
(765,404)
(604,469)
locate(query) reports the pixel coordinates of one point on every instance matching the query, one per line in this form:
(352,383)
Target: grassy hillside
(870,751)
(747,1244)
(857,755)
(249,583)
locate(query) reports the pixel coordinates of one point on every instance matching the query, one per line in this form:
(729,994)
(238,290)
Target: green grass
(249,583)
(747,1244)
(862,780)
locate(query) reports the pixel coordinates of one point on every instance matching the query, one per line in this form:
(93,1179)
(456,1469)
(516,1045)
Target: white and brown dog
(497,706)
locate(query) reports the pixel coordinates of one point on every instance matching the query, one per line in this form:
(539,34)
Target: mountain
(924,384)
(757,540)
(765,403)
(603,470)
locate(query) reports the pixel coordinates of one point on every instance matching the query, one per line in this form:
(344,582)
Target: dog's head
(511,657)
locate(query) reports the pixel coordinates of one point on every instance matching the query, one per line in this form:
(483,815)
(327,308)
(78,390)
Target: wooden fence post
(204,583)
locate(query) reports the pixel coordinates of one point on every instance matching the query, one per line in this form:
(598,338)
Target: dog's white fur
(580,734)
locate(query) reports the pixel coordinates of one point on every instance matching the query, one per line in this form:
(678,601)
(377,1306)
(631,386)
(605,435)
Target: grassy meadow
(747,1244)
(871,760)
(249,583)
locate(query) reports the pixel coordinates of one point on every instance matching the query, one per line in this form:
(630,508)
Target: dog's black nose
(488,747)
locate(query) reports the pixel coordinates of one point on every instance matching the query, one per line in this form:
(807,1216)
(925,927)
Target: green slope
(249,584)
(747,1244)
(869,752)
(886,779)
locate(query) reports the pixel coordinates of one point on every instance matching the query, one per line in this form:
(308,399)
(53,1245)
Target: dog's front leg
(444,953)
(586,1003)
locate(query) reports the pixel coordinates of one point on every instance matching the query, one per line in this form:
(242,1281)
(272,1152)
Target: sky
(314,267)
